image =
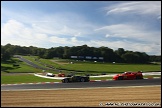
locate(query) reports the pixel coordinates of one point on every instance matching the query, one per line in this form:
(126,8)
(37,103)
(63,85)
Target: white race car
(50,74)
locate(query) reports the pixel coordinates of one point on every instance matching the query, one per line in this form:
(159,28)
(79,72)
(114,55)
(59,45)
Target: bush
(16,65)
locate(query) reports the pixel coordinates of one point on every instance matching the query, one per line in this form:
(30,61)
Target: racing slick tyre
(82,80)
(65,81)
(120,78)
(139,77)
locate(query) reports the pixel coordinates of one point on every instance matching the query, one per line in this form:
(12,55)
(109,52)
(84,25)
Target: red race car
(128,76)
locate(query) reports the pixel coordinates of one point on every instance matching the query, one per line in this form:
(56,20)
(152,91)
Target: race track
(112,83)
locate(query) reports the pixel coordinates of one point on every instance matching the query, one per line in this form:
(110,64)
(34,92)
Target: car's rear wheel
(120,78)
(63,81)
(139,77)
(82,80)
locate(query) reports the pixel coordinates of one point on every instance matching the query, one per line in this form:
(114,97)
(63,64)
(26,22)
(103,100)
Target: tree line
(120,55)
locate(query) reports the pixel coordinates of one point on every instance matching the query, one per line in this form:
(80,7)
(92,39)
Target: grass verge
(28,78)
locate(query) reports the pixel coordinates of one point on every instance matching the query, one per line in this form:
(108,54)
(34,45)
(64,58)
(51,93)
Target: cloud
(58,23)
(149,48)
(140,7)
(131,37)
(55,39)
(129,31)
(38,28)
(16,33)
(7,29)
(108,35)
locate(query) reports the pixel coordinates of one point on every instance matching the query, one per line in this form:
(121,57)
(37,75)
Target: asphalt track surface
(37,66)
(33,64)
(142,82)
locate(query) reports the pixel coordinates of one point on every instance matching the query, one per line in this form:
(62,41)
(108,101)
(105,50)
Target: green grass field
(82,68)
(23,67)
(98,67)
(111,68)
(28,78)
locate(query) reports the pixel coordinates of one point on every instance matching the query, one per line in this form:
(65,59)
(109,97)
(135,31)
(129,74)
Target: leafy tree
(154,58)
(130,57)
(66,52)
(120,51)
(59,51)
(5,56)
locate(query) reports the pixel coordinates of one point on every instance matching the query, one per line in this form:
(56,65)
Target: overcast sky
(132,25)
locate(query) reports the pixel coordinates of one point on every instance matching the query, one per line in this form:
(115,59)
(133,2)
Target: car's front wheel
(82,80)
